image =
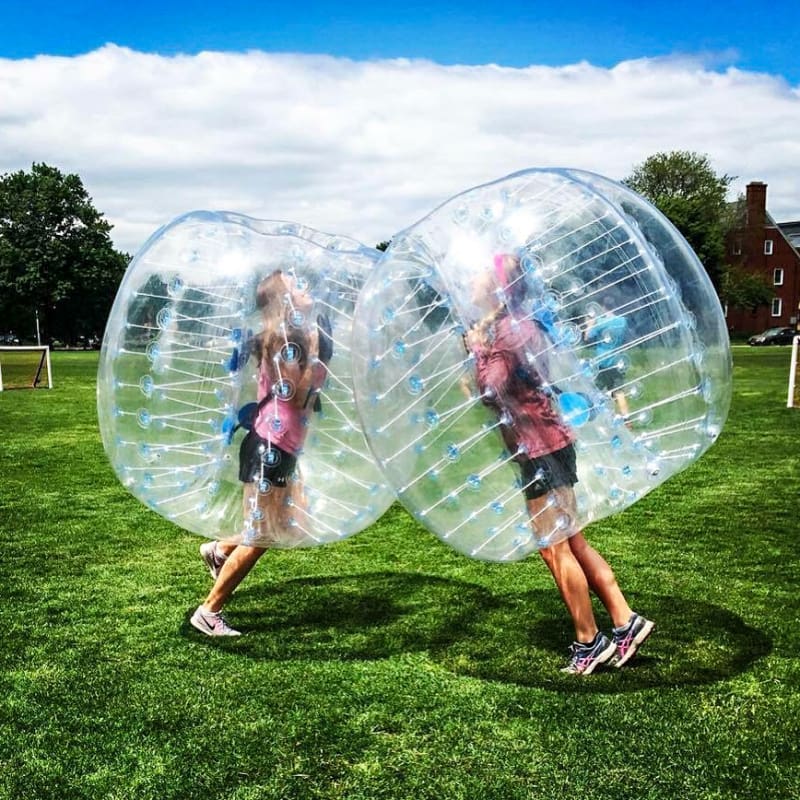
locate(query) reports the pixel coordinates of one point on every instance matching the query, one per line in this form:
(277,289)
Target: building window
(777,276)
(777,304)
(767,247)
(737,247)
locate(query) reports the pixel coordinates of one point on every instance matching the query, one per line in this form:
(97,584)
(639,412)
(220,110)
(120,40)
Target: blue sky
(358,120)
(748,35)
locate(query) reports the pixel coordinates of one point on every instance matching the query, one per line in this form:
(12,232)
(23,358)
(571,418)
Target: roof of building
(791,230)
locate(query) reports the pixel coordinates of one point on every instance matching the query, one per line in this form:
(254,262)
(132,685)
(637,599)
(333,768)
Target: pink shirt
(510,386)
(284,423)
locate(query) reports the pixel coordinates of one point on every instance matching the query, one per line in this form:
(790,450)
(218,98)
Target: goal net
(25,367)
(793,399)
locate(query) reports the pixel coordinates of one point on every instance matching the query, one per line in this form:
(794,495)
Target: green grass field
(389,666)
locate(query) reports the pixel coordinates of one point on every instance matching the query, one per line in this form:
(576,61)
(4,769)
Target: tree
(743,289)
(685,188)
(56,255)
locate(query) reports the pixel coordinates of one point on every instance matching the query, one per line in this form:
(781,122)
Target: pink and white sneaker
(212,623)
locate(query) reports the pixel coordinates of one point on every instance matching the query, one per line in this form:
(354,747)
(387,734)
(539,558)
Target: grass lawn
(388,666)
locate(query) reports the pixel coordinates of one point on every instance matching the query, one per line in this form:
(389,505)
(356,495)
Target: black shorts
(261,461)
(541,474)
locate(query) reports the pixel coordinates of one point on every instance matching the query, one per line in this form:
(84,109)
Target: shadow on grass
(470,631)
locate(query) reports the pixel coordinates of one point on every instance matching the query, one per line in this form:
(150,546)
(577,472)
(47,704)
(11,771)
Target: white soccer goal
(793,398)
(23,367)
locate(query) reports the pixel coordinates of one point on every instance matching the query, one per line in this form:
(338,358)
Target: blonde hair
(514,292)
(271,299)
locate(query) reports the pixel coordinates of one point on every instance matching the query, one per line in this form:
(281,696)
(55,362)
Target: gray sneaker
(214,562)
(630,637)
(587,657)
(212,623)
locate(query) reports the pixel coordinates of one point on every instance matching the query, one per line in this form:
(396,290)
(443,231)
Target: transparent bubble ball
(620,304)
(175,371)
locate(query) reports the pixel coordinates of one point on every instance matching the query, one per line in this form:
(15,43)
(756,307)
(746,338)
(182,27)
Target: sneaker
(214,562)
(629,638)
(587,657)
(212,623)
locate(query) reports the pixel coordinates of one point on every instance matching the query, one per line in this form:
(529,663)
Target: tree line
(57,261)
(685,188)
(58,264)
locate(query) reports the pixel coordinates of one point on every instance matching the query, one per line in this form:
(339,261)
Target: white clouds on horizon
(365,148)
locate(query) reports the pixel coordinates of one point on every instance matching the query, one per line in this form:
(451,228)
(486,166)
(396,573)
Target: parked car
(9,339)
(773,336)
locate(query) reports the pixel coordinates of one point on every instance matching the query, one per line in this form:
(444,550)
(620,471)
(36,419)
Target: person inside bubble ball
(606,331)
(545,453)
(292,358)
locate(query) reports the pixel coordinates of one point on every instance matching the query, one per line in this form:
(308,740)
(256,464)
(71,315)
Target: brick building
(772,250)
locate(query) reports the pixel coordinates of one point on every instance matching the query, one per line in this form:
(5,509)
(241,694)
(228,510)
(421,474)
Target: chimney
(756,204)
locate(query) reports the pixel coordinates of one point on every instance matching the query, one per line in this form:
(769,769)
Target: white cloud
(367,148)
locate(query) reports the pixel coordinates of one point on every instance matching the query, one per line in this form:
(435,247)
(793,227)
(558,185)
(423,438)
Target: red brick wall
(751,239)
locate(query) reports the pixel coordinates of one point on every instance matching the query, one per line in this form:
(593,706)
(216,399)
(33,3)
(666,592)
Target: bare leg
(261,510)
(574,589)
(567,573)
(601,579)
(237,566)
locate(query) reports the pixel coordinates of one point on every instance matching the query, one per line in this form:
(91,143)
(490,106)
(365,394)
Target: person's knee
(247,554)
(578,544)
(555,552)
